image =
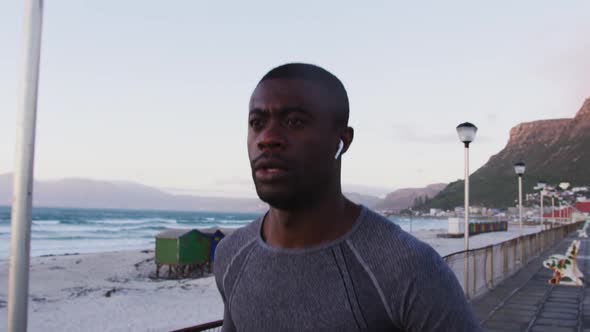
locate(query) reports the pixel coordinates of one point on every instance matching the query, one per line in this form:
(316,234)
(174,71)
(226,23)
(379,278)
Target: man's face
(292,140)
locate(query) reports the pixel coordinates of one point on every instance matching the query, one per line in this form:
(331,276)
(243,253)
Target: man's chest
(320,294)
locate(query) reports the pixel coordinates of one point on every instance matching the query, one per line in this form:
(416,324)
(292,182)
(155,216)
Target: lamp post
(560,211)
(466,132)
(22,199)
(541,185)
(563,186)
(519,168)
(553,209)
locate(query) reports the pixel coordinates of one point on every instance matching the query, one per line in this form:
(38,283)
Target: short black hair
(317,74)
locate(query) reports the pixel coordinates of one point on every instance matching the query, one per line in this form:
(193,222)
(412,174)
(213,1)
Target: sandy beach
(116,291)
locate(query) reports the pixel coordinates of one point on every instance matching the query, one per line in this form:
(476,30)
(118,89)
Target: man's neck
(309,227)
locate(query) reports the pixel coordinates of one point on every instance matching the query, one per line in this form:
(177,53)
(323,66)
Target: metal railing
(211,326)
(489,265)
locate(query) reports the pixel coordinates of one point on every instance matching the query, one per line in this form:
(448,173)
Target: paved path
(526,301)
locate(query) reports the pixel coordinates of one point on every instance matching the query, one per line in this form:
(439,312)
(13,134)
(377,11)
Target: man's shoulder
(231,245)
(384,244)
(418,288)
(377,230)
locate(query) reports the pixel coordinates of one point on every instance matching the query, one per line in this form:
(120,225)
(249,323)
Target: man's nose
(271,137)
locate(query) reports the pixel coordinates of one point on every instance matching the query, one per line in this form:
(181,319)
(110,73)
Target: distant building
(564,212)
(484,211)
(583,207)
(435,212)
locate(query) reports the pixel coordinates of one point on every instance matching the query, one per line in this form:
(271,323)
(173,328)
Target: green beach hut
(181,249)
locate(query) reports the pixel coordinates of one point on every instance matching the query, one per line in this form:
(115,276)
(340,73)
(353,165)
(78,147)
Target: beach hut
(182,250)
(215,235)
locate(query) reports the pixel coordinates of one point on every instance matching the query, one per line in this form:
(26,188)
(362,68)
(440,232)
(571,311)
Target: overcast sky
(157,92)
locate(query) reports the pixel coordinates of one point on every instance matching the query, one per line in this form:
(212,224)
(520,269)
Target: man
(316,261)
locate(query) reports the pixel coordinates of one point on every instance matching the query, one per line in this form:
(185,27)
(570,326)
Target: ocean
(59,230)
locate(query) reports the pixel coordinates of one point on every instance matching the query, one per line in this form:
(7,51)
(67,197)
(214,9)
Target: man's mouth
(269,174)
(267,170)
(271,170)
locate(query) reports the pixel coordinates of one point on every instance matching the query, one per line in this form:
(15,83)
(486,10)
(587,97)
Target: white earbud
(340,147)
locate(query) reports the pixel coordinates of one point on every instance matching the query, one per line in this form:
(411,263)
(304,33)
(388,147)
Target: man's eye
(256,123)
(295,122)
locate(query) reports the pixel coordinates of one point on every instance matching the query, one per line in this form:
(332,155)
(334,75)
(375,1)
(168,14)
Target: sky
(158,93)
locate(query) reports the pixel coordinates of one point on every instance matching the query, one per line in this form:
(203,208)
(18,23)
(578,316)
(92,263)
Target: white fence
(490,265)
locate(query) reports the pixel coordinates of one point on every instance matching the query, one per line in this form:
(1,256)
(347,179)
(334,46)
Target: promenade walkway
(527,302)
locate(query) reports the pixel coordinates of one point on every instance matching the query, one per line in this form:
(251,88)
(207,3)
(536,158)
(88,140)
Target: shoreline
(423,235)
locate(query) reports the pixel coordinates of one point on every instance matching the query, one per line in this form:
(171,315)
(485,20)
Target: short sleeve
(432,299)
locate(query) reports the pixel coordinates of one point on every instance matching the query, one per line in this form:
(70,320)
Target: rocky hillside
(404,198)
(553,150)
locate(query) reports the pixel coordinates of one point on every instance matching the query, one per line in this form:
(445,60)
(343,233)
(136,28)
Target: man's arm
(219,268)
(433,299)
(228,324)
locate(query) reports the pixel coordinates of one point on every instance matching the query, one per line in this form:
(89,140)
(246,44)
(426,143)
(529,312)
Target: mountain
(367,200)
(404,198)
(553,150)
(85,193)
(370,191)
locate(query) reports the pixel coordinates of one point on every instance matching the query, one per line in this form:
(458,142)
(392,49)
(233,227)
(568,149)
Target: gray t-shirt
(374,278)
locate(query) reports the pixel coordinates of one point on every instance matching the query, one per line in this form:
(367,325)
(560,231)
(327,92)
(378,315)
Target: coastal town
(558,203)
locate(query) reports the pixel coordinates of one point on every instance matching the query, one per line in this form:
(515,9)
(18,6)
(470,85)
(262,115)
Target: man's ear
(347,137)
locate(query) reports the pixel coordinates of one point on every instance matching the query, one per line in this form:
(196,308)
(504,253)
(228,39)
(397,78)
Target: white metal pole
(18,279)
(520,203)
(541,207)
(466,222)
(520,219)
(553,209)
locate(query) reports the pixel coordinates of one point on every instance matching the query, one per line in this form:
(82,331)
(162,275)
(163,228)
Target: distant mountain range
(86,193)
(553,150)
(404,198)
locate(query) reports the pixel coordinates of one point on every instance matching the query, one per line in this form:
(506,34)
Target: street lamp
(560,208)
(466,132)
(563,186)
(519,168)
(552,209)
(541,185)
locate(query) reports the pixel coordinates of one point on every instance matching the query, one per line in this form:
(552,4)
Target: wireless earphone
(340,146)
